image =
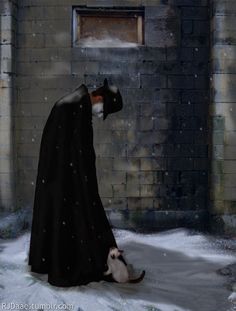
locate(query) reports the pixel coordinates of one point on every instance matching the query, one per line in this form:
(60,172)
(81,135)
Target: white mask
(97,109)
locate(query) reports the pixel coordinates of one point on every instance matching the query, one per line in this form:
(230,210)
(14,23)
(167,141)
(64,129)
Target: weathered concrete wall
(8,22)
(152,157)
(223,116)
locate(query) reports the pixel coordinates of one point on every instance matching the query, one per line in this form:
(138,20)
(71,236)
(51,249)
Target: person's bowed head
(105,100)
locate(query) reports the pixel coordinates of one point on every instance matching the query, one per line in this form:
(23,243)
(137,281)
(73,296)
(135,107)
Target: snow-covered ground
(181,275)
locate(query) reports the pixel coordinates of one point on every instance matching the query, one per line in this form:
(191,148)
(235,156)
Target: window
(108,27)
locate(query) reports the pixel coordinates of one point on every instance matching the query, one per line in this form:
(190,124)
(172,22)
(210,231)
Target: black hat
(111,98)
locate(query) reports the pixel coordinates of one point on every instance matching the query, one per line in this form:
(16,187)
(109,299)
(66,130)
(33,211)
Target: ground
(185,271)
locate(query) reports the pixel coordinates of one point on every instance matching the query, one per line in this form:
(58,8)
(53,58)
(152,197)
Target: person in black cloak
(70,232)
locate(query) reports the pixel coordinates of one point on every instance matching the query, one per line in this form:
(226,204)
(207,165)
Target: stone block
(149,190)
(85,67)
(146,123)
(119,191)
(187,26)
(150,53)
(137,203)
(143,150)
(195,13)
(163,11)
(162,32)
(161,123)
(60,40)
(181,82)
(153,81)
(110,150)
(190,3)
(126,164)
(195,40)
(105,190)
(31,13)
(124,81)
(149,164)
(182,163)
(230,180)
(53,26)
(31,40)
(225,7)
(201,27)
(104,164)
(57,12)
(149,110)
(132,190)
(24,150)
(229,152)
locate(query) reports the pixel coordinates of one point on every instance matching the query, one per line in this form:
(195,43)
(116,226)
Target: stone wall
(8,23)
(152,157)
(223,116)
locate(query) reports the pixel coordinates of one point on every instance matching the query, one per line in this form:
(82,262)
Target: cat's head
(115,252)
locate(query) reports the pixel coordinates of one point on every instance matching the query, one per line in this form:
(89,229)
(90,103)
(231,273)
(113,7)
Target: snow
(106,42)
(181,275)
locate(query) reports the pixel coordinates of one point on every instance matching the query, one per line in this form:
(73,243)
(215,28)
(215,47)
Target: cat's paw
(106,272)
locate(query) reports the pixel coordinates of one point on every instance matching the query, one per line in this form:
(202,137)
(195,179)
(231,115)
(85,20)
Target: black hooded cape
(70,233)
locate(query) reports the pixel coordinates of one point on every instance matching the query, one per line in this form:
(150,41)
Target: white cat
(118,269)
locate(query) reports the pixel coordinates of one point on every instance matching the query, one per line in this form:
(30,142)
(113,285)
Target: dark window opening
(108,27)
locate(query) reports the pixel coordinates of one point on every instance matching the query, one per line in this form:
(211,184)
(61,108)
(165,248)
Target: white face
(115,252)
(97,109)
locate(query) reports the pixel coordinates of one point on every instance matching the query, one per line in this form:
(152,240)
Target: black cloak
(70,233)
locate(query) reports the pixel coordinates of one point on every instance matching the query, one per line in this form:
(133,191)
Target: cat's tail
(139,279)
